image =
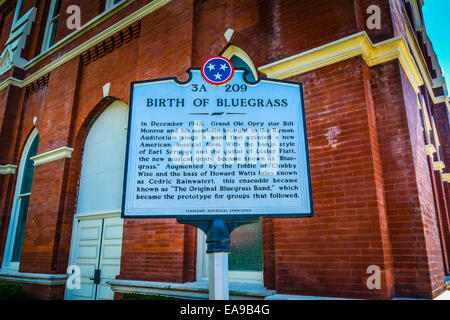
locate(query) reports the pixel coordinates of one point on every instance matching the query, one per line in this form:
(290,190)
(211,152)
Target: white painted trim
(34,278)
(106,89)
(228,34)
(190,290)
(99,215)
(53,155)
(256,277)
(8,169)
(7,255)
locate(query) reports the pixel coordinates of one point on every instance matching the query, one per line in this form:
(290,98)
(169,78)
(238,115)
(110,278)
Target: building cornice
(358,44)
(53,155)
(100,37)
(420,59)
(8,169)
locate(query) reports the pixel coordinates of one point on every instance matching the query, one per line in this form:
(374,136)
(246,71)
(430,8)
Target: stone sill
(189,290)
(33,278)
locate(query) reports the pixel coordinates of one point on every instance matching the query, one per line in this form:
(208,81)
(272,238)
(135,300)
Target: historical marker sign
(197,150)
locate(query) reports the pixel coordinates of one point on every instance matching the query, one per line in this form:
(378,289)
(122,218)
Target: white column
(218,276)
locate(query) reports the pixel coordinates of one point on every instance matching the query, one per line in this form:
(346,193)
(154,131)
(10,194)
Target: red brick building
(377,116)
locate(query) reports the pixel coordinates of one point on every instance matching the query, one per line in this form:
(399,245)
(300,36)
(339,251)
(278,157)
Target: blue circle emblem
(217,70)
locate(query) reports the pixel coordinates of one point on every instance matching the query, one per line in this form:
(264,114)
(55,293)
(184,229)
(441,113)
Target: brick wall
(428,213)
(330,253)
(409,200)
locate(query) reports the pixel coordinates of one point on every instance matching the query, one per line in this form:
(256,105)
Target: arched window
(101,180)
(98,227)
(19,211)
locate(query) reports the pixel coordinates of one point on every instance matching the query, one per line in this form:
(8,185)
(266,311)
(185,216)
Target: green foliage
(136,296)
(12,291)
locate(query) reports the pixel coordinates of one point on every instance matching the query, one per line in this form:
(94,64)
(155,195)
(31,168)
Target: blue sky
(437,23)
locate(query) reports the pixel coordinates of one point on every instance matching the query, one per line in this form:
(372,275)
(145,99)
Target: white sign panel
(197,150)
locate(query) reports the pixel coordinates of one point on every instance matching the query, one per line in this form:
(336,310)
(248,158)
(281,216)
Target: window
(101,181)
(110,4)
(98,227)
(245,262)
(52,25)
(19,211)
(246,253)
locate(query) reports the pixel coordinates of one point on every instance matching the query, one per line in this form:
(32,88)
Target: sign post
(217,152)
(218,248)
(218,276)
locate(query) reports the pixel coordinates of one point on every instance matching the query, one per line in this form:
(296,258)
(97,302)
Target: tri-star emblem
(217,70)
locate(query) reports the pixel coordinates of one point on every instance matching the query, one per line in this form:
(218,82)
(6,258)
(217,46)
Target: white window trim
(7,264)
(110,4)
(45,43)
